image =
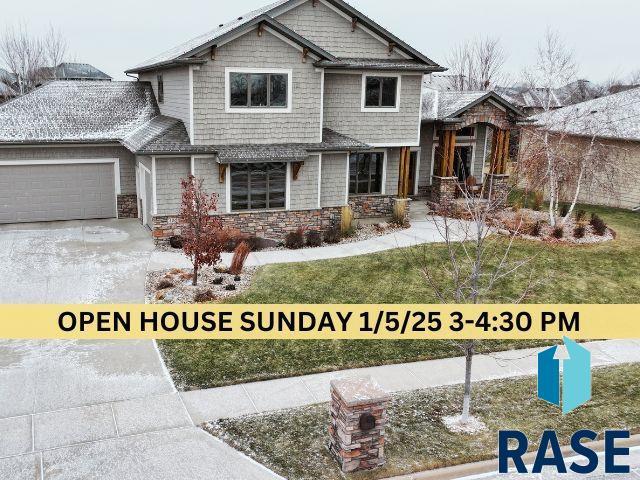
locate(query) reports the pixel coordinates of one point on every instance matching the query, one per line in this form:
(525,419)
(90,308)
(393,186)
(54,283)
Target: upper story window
(160,89)
(252,90)
(380,93)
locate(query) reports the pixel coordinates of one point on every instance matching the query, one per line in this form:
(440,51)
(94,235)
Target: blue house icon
(576,376)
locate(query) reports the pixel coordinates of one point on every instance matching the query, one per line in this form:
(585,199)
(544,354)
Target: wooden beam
(354,23)
(392,46)
(444,147)
(213,52)
(505,152)
(407,173)
(452,151)
(305,54)
(260,29)
(401,173)
(222,172)
(295,169)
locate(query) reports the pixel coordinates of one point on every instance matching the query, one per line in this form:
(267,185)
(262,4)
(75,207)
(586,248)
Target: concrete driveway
(104,410)
(88,261)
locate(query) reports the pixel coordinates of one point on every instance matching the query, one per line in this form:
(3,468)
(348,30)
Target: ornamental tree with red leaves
(200,229)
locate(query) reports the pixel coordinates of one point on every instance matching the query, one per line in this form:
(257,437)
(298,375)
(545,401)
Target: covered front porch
(467,144)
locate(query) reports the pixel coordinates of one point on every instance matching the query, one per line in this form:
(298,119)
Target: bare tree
(478,264)
(28,56)
(55,47)
(568,148)
(477,64)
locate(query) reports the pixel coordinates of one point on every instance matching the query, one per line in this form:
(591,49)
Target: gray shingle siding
(334,186)
(342,111)
(331,31)
(127,163)
(426,153)
(176,92)
(393,171)
(169,172)
(207,170)
(214,126)
(304,190)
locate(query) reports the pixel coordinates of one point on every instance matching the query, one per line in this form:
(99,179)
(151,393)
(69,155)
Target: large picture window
(365,173)
(258,90)
(258,186)
(381,92)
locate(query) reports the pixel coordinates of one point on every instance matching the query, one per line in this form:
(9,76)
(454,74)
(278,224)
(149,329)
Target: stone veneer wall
(127,206)
(273,224)
(371,206)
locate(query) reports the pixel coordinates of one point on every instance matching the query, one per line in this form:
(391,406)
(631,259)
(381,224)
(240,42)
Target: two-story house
(288,113)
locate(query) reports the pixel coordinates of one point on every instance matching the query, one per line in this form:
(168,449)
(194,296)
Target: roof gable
(443,105)
(186,52)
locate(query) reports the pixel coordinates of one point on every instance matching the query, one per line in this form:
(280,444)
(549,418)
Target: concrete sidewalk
(271,395)
(421,232)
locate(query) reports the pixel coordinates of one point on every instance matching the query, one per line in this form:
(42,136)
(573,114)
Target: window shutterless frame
(271,75)
(380,82)
(258,186)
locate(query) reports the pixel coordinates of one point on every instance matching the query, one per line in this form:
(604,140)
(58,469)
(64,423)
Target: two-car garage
(50,190)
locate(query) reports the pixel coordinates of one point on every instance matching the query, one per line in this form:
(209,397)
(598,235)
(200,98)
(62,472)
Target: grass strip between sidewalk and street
(294,442)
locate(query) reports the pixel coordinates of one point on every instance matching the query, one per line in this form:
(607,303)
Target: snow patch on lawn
(457,424)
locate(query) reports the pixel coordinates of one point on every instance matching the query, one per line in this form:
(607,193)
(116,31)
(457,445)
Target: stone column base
(496,189)
(443,190)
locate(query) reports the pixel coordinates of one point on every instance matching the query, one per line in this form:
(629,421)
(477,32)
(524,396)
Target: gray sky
(117,34)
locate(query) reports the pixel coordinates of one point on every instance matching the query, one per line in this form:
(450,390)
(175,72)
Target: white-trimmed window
(250,90)
(381,93)
(366,173)
(258,186)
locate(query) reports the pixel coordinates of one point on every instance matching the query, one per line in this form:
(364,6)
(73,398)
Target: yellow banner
(306,322)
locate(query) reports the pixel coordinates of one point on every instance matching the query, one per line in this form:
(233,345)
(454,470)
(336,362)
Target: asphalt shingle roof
(77,111)
(79,71)
(615,116)
(334,141)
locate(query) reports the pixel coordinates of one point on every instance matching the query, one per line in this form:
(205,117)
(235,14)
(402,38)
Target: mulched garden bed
(214,284)
(534,225)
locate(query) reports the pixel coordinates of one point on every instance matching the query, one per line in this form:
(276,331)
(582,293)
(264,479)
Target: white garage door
(45,192)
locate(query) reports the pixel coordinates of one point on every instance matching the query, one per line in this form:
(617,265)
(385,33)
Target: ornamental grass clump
(558,232)
(598,224)
(579,231)
(346,222)
(538,198)
(240,255)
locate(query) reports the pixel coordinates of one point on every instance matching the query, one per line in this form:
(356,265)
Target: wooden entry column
(448,148)
(404,180)
(500,151)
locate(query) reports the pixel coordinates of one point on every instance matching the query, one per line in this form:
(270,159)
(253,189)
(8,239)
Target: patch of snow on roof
(614,116)
(77,111)
(176,52)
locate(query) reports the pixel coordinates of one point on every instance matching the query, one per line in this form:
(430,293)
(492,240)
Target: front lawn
(293,442)
(602,273)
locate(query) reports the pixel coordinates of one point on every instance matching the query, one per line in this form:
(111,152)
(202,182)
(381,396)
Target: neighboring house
(288,113)
(7,85)
(78,71)
(537,100)
(613,122)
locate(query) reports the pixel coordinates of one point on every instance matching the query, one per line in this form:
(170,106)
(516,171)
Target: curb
(488,467)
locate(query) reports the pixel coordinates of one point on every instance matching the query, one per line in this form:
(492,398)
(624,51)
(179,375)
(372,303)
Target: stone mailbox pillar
(358,419)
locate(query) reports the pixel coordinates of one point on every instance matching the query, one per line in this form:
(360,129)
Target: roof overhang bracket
(305,54)
(260,29)
(354,23)
(392,46)
(314,3)
(222,172)
(295,169)
(213,52)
